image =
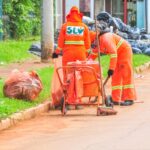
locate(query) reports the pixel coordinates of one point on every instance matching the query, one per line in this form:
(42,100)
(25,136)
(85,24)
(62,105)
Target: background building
(132,12)
(148,15)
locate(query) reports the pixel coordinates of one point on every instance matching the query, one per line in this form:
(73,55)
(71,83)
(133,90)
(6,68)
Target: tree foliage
(21,17)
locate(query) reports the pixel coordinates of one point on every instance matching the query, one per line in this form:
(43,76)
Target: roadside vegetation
(22,18)
(138,60)
(16,51)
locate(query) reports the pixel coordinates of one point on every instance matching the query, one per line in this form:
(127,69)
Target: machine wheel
(63,107)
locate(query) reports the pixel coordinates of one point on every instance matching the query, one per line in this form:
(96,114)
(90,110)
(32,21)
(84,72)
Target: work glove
(110,72)
(54,55)
(93,45)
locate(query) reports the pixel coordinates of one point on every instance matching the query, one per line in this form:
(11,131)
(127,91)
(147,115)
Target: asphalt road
(83,130)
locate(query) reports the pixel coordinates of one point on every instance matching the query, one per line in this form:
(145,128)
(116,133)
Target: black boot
(115,103)
(109,101)
(118,103)
(127,103)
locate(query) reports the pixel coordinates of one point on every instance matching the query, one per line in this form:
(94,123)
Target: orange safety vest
(109,44)
(74,33)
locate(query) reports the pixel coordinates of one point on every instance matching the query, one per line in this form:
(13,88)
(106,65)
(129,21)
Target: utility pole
(47,35)
(1,24)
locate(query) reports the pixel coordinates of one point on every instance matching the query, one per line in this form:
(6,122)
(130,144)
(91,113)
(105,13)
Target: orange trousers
(72,53)
(123,82)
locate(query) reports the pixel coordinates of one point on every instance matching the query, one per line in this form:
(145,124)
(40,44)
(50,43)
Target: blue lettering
(80,30)
(69,30)
(75,31)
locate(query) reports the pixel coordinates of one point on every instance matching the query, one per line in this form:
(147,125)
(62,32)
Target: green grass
(9,106)
(105,64)
(46,77)
(138,60)
(14,51)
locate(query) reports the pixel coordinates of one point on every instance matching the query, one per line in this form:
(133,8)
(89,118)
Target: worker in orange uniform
(74,40)
(120,68)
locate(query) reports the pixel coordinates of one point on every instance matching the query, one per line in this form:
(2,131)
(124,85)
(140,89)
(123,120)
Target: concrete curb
(46,106)
(25,115)
(142,68)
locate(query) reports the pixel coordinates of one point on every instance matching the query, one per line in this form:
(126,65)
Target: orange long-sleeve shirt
(74,32)
(115,46)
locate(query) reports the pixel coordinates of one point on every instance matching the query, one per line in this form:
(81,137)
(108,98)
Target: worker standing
(120,68)
(74,39)
(73,42)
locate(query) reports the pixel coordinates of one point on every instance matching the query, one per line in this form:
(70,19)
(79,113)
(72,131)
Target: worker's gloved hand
(93,45)
(54,55)
(110,72)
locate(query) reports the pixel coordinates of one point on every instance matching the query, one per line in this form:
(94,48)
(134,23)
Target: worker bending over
(120,68)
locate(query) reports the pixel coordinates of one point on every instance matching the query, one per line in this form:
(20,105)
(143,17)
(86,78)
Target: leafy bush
(21,18)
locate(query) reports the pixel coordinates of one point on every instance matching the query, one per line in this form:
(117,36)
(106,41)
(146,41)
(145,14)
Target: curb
(25,115)
(142,68)
(45,107)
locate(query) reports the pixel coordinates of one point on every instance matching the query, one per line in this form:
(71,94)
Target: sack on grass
(22,85)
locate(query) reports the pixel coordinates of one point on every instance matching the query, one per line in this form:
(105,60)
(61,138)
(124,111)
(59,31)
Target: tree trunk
(47,37)
(1,24)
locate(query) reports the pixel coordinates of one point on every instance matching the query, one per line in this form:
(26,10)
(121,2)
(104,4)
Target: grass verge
(138,60)
(14,51)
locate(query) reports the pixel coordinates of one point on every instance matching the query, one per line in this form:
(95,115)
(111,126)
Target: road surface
(83,130)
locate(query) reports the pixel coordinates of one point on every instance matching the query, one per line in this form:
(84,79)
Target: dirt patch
(31,64)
